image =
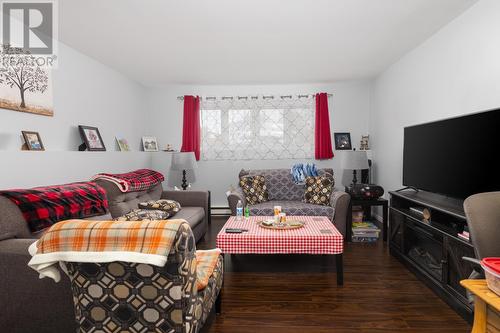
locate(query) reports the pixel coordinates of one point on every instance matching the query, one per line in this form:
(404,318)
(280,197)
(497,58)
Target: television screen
(455,157)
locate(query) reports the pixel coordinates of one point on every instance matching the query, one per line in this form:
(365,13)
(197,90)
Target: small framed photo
(33,140)
(122,144)
(149,143)
(342,141)
(92,138)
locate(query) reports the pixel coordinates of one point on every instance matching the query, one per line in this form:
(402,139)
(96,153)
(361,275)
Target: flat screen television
(455,157)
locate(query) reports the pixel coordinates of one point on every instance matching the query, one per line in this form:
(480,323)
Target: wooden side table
(486,306)
(367,205)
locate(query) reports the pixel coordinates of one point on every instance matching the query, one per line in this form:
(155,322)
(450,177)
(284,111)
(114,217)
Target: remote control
(235,231)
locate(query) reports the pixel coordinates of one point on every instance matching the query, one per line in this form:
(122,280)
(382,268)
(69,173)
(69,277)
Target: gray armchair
(285,193)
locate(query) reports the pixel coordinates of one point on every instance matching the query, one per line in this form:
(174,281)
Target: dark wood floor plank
(298,294)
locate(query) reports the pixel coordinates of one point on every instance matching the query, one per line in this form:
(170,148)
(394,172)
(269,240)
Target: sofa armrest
(232,200)
(30,304)
(191,199)
(339,200)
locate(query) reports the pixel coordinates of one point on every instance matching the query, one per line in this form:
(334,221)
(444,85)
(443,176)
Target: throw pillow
(254,188)
(170,206)
(144,214)
(318,190)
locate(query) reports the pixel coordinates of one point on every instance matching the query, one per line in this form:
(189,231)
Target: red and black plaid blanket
(44,206)
(138,180)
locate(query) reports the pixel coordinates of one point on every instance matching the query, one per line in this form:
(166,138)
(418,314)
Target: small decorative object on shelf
(149,143)
(32,141)
(122,144)
(423,212)
(169,148)
(363,145)
(342,141)
(92,140)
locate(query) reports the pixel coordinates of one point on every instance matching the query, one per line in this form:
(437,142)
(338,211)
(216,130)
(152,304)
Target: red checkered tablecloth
(318,236)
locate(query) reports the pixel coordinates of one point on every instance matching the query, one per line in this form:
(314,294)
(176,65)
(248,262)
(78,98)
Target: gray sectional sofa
(195,204)
(284,192)
(29,304)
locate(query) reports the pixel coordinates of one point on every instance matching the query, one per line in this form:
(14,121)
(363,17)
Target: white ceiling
(251,41)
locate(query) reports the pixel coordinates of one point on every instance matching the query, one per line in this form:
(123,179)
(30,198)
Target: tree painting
(19,72)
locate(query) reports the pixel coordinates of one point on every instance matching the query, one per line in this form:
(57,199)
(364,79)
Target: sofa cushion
(121,203)
(293,208)
(144,214)
(193,215)
(254,188)
(318,190)
(171,207)
(280,184)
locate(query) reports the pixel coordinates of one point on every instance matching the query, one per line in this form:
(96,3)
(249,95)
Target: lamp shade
(355,160)
(183,161)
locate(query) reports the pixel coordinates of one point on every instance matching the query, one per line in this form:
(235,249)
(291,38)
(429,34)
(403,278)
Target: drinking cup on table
(277,210)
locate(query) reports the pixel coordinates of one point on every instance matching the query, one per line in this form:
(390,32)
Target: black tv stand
(431,249)
(407,188)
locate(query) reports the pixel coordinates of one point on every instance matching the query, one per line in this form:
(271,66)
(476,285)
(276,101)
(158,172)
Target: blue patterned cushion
(280,184)
(293,208)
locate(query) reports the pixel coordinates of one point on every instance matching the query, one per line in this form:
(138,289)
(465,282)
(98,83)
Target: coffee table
(318,236)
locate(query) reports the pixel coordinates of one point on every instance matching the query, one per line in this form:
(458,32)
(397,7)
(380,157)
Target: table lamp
(355,160)
(182,161)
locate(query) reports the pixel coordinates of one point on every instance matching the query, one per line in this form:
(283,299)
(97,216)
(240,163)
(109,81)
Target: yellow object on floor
(486,306)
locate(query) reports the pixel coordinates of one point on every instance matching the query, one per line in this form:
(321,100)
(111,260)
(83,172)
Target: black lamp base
(184,181)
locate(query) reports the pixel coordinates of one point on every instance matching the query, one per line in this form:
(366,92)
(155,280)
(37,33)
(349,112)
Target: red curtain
(191,126)
(322,137)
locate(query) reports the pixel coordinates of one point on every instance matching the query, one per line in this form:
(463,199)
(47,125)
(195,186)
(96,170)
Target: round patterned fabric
(254,188)
(144,214)
(318,190)
(170,206)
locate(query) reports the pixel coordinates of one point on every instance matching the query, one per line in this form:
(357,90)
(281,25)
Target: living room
(209,119)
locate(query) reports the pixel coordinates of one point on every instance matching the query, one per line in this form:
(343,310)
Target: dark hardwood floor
(298,294)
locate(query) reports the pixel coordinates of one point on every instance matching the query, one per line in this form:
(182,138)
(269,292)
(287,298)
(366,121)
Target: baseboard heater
(220,211)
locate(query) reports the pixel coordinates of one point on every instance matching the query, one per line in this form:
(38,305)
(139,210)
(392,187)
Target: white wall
(349,112)
(85,92)
(455,72)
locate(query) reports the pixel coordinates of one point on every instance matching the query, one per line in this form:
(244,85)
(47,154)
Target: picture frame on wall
(149,143)
(33,140)
(122,143)
(92,140)
(342,141)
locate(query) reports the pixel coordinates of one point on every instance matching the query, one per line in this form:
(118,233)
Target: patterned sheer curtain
(257,127)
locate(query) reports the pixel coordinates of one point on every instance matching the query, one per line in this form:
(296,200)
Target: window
(257,128)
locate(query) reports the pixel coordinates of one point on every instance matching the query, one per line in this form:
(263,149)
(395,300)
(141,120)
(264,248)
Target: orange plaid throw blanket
(146,242)
(206,260)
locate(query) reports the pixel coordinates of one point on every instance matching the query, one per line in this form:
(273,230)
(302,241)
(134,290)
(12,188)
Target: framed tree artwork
(32,140)
(24,86)
(342,141)
(92,139)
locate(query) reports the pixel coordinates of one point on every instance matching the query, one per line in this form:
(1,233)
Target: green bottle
(247,212)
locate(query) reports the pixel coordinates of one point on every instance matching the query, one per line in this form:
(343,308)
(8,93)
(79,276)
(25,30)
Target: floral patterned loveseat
(284,192)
